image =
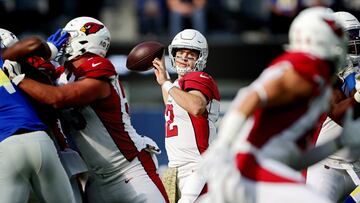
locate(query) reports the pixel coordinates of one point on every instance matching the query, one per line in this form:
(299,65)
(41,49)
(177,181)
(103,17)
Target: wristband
(167,85)
(53,49)
(357,97)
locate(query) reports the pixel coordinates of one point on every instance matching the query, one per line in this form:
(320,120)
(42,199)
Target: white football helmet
(189,39)
(352,27)
(86,35)
(7,38)
(317,32)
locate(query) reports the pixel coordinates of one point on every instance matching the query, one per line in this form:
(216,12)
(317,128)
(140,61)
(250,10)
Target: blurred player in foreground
(28,156)
(265,139)
(92,100)
(338,175)
(192,108)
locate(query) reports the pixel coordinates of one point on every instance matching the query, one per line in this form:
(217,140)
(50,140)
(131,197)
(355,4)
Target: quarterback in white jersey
(192,109)
(122,163)
(338,175)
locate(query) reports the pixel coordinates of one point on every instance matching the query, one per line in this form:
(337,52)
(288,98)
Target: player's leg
(190,183)
(327,181)
(192,188)
(169,180)
(147,177)
(288,192)
(76,170)
(138,183)
(14,171)
(49,179)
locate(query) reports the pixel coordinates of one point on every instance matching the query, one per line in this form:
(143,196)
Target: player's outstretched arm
(27,47)
(78,93)
(36,46)
(162,77)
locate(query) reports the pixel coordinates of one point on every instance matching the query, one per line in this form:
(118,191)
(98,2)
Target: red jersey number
(171,129)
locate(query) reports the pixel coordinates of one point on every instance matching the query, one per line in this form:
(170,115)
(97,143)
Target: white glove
(357,87)
(13,70)
(151,146)
(357,96)
(349,136)
(357,82)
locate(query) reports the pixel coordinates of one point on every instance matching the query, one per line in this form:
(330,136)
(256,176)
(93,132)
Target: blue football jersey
(15,111)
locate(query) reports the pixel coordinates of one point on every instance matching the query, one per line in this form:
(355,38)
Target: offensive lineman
(192,109)
(120,161)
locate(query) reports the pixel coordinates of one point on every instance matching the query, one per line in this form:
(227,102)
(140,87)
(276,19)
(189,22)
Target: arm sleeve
(201,82)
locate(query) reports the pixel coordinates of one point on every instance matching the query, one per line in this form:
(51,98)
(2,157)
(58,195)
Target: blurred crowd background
(131,20)
(247,31)
(243,36)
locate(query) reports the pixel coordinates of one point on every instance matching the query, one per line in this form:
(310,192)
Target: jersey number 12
(171,129)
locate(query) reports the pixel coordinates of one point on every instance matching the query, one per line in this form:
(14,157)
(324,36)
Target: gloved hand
(357,87)
(357,81)
(13,70)
(350,134)
(56,41)
(59,38)
(151,146)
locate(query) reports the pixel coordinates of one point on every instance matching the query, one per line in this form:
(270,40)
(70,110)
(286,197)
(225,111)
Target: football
(141,56)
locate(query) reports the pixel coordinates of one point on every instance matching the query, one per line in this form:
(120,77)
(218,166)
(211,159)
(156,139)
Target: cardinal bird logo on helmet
(335,27)
(91,28)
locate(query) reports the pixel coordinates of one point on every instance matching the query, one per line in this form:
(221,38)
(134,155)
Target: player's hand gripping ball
(141,56)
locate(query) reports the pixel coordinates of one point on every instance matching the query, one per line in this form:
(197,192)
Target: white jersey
(330,129)
(110,146)
(102,131)
(338,174)
(187,136)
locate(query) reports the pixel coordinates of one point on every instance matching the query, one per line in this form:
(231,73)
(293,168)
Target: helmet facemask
(354,45)
(193,40)
(191,67)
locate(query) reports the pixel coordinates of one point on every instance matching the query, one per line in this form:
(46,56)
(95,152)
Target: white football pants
(31,160)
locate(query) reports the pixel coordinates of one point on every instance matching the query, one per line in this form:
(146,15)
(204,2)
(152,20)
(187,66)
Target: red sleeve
(97,67)
(308,67)
(59,70)
(200,81)
(39,63)
(37,69)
